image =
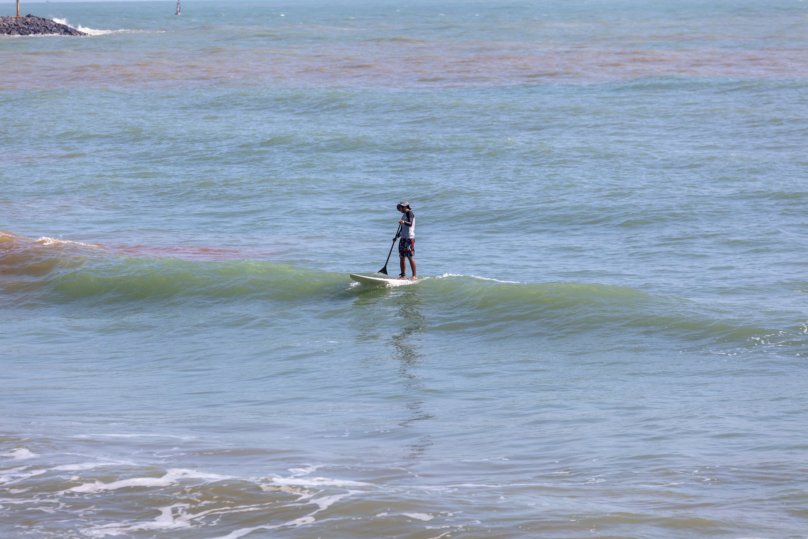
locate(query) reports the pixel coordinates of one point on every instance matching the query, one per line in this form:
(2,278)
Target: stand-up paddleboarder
(406,245)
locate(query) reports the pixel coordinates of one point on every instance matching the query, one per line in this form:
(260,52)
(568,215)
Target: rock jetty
(35,26)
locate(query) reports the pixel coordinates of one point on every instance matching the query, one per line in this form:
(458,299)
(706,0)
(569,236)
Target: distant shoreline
(31,25)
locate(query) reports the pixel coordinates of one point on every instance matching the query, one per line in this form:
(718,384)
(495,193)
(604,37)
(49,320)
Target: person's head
(403,206)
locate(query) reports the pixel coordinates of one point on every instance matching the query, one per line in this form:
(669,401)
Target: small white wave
(295,480)
(45,240)
(90,31)
(20,454)
(313,482)
(94,32)
(477,277)
(419,516)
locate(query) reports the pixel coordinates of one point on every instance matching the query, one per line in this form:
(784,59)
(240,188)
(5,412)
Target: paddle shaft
(384,269)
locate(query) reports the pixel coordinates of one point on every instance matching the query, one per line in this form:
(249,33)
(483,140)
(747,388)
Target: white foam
(45,240)
(304,471)
(295,480)
(80,467)
(314,482)
(23,502)
(20,454)
(15,475)
(326,501)
(419,516)
(165,521)
(98,486)
(90,31)
(443,534)
(169,478)
(169,519)
(94,32)
(321,503)
(292,524)
(178,517)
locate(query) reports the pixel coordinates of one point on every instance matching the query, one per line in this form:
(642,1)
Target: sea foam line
(165,521)
(322,504)
(169,478)
(177,516)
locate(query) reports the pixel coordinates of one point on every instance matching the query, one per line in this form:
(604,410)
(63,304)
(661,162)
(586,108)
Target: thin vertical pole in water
(178,8)
(18,8)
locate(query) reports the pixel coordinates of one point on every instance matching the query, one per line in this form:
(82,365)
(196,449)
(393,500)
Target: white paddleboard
(380,280)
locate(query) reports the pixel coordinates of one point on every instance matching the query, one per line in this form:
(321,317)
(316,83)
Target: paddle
(384,269)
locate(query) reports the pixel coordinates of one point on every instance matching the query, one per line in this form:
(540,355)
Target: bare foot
(402,278)
(413,278)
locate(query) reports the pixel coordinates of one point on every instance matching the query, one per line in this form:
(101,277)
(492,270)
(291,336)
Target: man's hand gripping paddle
(384,269)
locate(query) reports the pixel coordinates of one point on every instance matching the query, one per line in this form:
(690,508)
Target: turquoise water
(609,338)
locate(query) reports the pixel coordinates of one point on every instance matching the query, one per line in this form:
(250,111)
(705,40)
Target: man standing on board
(406,246)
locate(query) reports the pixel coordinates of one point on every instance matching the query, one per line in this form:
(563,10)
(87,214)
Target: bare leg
(403,265)
(412,265)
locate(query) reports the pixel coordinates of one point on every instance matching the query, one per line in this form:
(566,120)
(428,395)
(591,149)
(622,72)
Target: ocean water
(610,333)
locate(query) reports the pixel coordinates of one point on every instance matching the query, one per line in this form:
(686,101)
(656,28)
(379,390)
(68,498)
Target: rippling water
(609,338)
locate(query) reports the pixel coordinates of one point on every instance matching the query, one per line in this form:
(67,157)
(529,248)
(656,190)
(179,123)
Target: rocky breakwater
(34,26)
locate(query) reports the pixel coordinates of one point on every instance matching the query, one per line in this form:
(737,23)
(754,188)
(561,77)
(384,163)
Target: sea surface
(609,338)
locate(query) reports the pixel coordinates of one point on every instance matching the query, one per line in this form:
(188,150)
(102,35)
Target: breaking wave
(90,31)
(181,499)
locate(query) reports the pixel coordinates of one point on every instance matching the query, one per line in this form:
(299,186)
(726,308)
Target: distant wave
(398,39)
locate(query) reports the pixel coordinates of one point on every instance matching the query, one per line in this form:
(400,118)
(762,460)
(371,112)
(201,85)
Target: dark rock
(31,25)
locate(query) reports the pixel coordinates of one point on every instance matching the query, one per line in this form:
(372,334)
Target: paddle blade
(384,269)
